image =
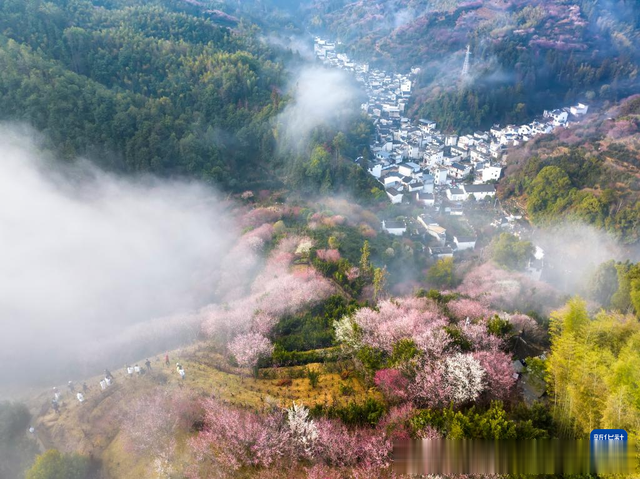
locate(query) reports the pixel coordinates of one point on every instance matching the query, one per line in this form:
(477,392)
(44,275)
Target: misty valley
(280,238)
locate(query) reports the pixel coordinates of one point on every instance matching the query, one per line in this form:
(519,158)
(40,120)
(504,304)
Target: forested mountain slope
(525,55)
(589,172)
(140,86)
(171,88)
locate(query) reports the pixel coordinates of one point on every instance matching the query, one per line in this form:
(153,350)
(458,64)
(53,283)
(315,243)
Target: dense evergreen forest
(157,87)
(138,86)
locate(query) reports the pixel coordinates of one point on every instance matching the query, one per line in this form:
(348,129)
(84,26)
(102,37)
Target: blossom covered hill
(307,351)
(257,398)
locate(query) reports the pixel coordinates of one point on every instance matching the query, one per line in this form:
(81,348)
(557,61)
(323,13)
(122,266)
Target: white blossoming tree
(465,377)
(303,429)
(347,333)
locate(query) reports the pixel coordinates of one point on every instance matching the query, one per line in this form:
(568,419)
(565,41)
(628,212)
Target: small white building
(408,169)
(391,179)
(464,242)
(415,186)
(425,199)
(557,117)
(397,228)
(536,264)
(394,195)
(456,194)
(433,229)
(579,109)
(491,172)
(426,125)
(480,192)
(440,176)
(428,182)
(434,155)
(459,170)
(459,152)
(376,171)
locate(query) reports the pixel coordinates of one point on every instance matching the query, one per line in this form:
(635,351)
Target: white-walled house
(459,152)
(558,117)
(536,264)
(459,170)
(434,156)
(440,176)
(426,125)
(394,195)
(451,140)
(428,182)
(425,199)
(464,242)
(391,179)
(579,109)
(433,229)
(415,186)
(408,169)
(480,192)
(456,194)
(396,228)
(491,172)
(538,128)
(376,171)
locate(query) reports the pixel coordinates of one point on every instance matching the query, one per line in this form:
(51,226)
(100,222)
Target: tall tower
(465,66)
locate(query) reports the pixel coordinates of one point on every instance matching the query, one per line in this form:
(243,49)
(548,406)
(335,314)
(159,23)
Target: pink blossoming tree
(153,419)
(464,308)
(329,255)
(498,373)
(392,383)
(249,348)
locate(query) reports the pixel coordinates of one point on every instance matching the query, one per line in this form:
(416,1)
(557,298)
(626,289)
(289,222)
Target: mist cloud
(321,96)
(86,255)
(574,250)
(403,17)
(301,45)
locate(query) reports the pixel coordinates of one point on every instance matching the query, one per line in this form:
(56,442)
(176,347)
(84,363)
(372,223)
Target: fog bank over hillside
(573,251)
(320,96)
(86,255)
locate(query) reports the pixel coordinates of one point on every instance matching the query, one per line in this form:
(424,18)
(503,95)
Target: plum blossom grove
(233,438)
(434,354)
(453,360)
(395,320)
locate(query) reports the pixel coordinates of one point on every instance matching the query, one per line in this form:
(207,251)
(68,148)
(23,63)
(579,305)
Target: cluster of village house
(415,162)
